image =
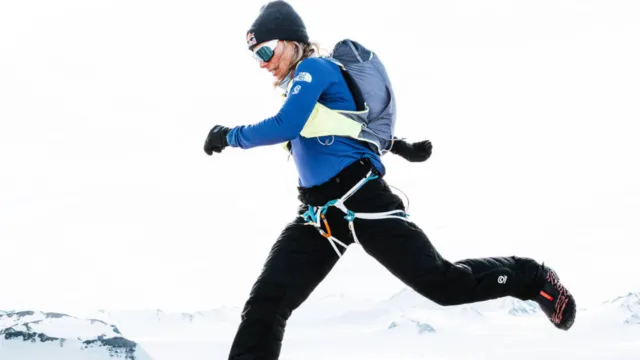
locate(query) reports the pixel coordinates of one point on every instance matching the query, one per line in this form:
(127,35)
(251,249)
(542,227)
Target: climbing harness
(315,214)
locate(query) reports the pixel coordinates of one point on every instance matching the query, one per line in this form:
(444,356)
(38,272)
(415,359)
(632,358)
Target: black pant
(301,258)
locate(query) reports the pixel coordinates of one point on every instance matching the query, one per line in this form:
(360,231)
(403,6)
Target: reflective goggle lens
(265,52)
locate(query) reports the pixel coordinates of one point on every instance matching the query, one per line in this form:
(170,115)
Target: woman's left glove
(216,140)
(414,152)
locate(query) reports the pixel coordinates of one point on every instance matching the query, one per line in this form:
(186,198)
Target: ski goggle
(266,51)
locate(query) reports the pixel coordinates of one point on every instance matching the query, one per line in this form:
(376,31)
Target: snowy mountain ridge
(404,307)
(70,337)
(101,335)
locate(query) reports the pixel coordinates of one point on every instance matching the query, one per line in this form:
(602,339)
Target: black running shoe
(556,301)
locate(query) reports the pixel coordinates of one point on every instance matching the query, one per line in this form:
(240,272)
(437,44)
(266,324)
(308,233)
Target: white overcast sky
(108,201)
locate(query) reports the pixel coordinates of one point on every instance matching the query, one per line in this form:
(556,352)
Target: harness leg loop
(315,214)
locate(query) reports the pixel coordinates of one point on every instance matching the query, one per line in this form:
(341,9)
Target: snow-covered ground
(406,327)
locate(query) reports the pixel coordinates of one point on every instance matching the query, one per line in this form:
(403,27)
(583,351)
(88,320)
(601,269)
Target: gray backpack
(371,88)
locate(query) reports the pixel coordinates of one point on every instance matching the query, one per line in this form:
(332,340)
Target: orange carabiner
(326,234)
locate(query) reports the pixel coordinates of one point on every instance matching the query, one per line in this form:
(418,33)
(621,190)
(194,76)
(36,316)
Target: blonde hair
(301,51)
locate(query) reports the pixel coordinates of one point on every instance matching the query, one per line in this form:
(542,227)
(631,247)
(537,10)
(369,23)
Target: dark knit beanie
(277,20)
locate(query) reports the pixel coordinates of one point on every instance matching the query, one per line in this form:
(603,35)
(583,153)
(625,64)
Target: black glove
(414,152)
(216,140)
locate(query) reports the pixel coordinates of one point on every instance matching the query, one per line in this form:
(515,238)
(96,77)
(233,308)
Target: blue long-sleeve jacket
(317,159)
